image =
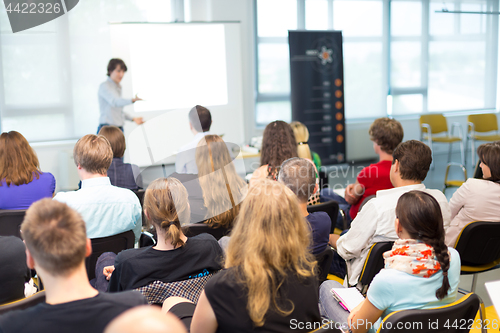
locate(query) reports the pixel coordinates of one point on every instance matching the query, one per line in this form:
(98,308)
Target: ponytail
(441,252)
(173,232)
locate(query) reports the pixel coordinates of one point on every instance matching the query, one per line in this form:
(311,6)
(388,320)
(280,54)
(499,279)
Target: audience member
(299,175)
(269,279)
(200,121)
(375,223)
(386,135)
(13,270)
(223,190)
(420,271)
(106,209)
(120,174)
(477,199)
(301,134)
(175,257)
(57,245)
(278,145)
(148,319)
(21,181)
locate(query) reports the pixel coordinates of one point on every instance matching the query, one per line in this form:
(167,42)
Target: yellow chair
(434,128)
(454,182)
(481,123)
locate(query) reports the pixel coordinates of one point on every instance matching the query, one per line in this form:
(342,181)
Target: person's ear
(146,213)
(316,188)
(79,167)
(88,248)
(396,166)
(30,262)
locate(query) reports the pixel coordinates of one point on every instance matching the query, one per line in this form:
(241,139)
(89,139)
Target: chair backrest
(324,260)
(486,122)
(194,229)
(115,243)
(437,122)
(24,303)
(365,201)
(479,243)
(330,207)
(158,291)
(448,318)
(374,262)
(330,327)
(10,222)
(140,196)
(478,172)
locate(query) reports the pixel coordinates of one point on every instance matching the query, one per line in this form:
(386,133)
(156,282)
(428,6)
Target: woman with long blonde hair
(269,280)
(21,181)
(175,257)
(223,190)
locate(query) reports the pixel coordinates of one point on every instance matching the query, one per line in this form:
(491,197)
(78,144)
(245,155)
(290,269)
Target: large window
(425,59)
(49,75)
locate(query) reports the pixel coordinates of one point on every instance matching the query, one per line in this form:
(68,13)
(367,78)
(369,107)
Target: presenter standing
(111,102)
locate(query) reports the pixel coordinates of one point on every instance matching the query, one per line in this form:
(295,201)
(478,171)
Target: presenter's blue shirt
(22,196)
(111,104)
(106,209)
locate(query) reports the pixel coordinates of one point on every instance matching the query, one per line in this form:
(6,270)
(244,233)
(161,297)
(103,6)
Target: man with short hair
(111,102)
(106,209)
(375,222)
(56,246)
(386,134)
(299,175)
(200,121)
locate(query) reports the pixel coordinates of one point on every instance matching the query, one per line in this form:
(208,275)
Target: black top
(320,224)
(136,268)
(195,195)
(122,174)
(13,270)
(228,300)
(90,315)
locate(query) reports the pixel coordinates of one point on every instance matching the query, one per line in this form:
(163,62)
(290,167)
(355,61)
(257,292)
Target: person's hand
(138,120)
(136,98)
(351,318)
(107,271)
(349,195)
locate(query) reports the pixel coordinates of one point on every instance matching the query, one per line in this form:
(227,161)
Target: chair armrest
(470,129)
(459,126)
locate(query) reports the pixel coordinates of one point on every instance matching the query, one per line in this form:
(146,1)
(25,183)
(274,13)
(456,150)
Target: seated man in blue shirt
(56,245)
(106,209)
(299,175)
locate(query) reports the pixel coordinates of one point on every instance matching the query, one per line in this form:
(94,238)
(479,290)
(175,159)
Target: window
(429,61)
(49,75)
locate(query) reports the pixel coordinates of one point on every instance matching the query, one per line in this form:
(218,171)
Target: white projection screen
(174,66)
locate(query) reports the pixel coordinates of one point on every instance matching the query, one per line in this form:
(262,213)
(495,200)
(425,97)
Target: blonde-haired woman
(302,137)
(269,281)
(21,181)
(223,190)
(175,257)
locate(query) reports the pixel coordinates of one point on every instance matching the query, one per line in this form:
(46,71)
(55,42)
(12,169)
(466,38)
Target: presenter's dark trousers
(101,125)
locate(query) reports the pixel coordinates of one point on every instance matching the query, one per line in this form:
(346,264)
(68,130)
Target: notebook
(349,297)
(493,289)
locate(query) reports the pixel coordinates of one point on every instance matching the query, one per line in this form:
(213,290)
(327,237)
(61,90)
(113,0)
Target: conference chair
(454,182)
(331,208)
(10,222)
(140,196)
(487,125)
(373,264)
(329,327)
(365,201)
(324,260)
(479,247)
(194,229)
(115,243)
(24,303)
(478,172)
(434,128)
(455,317)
